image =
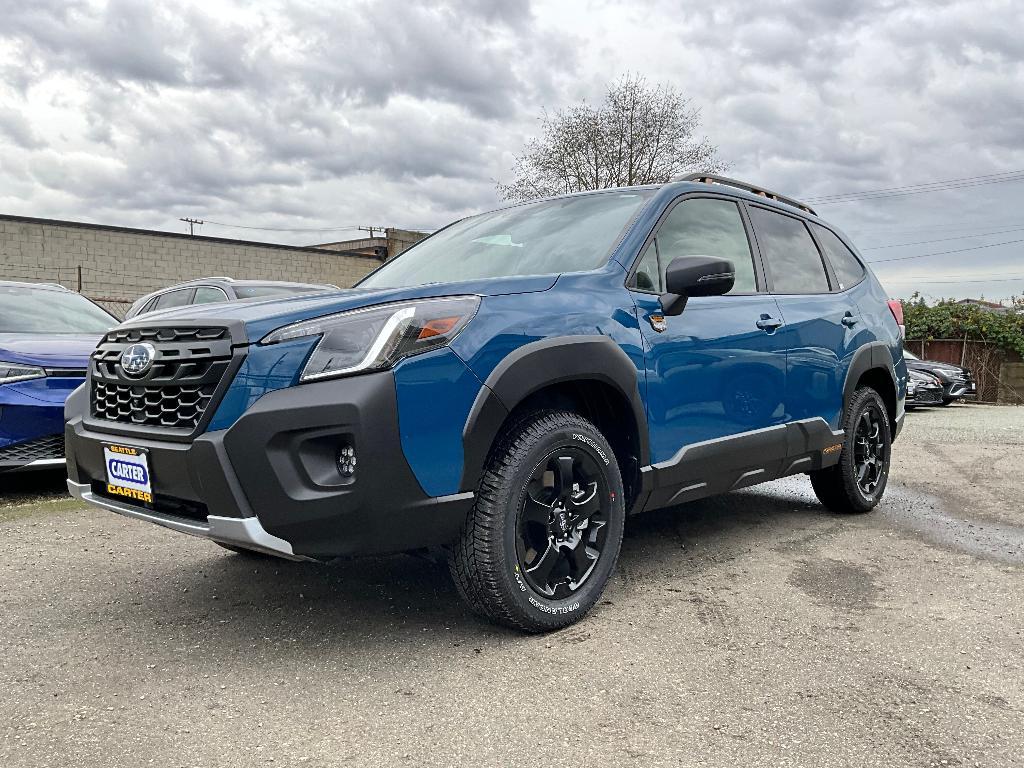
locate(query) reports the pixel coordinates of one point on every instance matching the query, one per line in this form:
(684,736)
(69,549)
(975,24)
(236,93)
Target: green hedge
(949,320)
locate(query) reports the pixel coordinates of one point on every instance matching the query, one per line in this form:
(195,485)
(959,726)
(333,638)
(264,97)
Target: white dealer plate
(128,472)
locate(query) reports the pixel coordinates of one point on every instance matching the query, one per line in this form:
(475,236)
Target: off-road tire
(484,562)
(837,487)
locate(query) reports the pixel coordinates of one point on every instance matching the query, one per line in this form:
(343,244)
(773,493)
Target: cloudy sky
(297,115)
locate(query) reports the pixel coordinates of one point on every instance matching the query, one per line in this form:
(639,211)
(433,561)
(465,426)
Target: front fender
(537,365)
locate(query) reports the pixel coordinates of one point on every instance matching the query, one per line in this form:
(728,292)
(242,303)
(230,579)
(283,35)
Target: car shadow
(18,487)
(286,607)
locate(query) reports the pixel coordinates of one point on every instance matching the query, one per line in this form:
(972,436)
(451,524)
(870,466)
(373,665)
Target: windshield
(570,234)
(910,355)
(35,310)
(260,291)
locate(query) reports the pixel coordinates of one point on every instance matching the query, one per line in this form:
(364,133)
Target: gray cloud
(304,113)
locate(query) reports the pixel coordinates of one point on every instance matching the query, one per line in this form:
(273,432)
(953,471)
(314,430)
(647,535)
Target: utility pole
(191,224)
(371,230)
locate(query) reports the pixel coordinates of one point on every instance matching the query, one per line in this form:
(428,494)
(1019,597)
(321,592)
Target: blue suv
(505,392)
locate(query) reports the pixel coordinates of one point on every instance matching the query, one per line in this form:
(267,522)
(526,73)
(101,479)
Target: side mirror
(688,276)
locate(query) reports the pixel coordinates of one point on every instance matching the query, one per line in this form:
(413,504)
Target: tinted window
(24,309)
(173,299)
(206,295)
(793,260)
(844,263)
(647,276)
(706,227)
(568,234)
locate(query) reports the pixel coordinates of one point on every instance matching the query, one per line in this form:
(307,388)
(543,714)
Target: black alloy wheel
(857,482)
(561,529)
(869,449)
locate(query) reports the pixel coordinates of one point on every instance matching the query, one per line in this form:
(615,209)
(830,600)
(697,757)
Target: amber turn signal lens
(437,327)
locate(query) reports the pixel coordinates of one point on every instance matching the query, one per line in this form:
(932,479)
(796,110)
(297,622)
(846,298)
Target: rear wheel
(857,482)
(543,537)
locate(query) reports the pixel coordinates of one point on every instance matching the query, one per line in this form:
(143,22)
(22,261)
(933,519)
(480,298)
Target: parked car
(923,389)
(957,381)
(507,390)
(213,290)
(46,335)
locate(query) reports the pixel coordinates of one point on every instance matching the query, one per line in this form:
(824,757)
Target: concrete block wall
(118,264)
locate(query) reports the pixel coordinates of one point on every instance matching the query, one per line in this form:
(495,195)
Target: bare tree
(639,135)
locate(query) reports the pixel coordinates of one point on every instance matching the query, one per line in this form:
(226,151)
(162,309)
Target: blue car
(506,391)
(46,336)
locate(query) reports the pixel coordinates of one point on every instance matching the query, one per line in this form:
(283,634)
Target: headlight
(11,372)
(923,378)
(376,338)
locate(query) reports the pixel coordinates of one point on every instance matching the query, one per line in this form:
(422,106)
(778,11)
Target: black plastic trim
(540,364)
(873,355)
(738,461)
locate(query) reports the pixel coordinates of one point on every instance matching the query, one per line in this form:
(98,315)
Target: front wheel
(542,539)
(857,482)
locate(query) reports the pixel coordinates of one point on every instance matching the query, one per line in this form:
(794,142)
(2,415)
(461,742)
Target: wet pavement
(750,629)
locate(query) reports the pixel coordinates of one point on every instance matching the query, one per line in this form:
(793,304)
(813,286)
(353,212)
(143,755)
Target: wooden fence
(984,359)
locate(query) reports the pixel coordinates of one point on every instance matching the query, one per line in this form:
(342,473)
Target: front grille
(49,447)
(178,388)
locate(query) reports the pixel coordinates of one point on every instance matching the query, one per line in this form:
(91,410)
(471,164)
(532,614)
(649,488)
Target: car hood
(47,350)
(262,316)
(935,366)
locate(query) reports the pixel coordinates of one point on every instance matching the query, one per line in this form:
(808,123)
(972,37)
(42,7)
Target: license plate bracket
(128,473)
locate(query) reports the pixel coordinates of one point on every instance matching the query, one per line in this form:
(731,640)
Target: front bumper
(240,531)
(271,481)
(32,423)
(925,395)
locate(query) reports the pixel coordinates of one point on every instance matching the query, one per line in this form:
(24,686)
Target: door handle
(768,323)
(849,320)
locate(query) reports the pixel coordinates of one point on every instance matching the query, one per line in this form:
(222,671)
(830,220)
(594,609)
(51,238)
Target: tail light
(896,307)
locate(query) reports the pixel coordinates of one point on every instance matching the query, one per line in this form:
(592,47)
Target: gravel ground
(752,629)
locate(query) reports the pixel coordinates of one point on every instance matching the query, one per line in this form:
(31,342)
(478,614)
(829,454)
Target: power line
(286,229)
(942,239)
(943,253)
(954,282)
(914,189)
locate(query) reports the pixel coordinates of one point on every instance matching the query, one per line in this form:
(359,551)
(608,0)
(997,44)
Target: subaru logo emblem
(137,359)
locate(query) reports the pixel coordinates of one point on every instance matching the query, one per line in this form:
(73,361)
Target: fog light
(347,461)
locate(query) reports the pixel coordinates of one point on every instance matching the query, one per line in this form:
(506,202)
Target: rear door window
(207,295)
(849,271)
(792,258)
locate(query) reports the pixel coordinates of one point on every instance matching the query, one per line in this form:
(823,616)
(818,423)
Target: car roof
(38,286)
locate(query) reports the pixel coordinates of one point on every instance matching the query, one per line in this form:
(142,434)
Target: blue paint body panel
(265,369)
(435,394)
(35,408)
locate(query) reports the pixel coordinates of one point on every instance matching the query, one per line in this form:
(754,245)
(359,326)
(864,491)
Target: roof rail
(222,278)
(57,286)
(711,178)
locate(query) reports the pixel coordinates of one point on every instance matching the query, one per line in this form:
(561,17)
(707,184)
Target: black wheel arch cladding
(873,356)
(535,366)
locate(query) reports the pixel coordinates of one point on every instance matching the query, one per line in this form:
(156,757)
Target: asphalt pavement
(750,629)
